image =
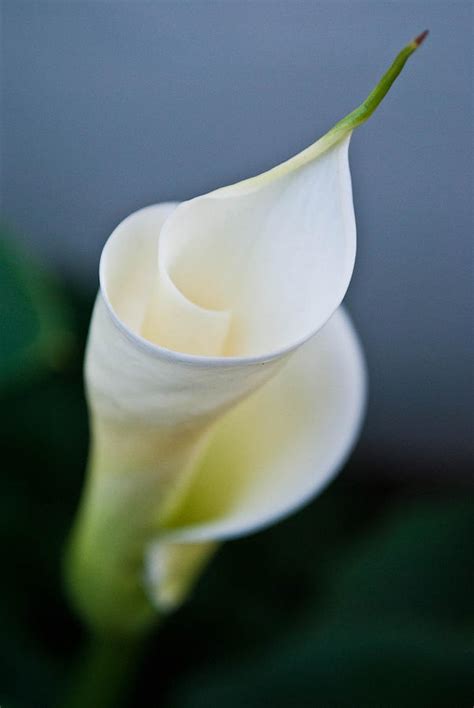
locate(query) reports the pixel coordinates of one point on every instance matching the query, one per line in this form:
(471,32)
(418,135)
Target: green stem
(343,127)
(103,675)
(360,114)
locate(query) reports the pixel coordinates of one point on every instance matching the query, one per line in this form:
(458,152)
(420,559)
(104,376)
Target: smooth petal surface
(154,410)
(201,304)
(277,448)
(267,456)
(267,260)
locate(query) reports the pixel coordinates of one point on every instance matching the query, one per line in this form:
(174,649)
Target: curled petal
(154,412)
(273,259)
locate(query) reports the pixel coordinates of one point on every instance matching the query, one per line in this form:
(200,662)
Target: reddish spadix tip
(421,38)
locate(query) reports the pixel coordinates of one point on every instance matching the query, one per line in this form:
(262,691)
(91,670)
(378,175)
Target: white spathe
(225,386)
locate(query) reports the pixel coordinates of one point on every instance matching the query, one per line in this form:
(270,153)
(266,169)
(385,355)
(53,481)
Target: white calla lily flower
(226,386)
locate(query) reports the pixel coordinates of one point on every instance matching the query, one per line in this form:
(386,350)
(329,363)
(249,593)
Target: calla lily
(225,383)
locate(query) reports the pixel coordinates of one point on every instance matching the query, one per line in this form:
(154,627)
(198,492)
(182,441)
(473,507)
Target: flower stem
(103,675)
(360,114)
(342,128)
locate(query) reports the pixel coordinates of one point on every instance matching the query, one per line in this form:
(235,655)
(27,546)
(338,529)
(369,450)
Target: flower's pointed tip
(420,39)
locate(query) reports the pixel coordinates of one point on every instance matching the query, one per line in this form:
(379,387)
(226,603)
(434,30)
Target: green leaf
(34,320)
(419,565)
(391,627)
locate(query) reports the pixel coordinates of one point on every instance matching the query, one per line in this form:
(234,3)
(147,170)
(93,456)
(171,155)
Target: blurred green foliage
(362,599)
(34,317)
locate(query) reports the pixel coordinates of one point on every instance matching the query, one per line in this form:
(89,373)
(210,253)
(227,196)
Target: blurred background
(364,598)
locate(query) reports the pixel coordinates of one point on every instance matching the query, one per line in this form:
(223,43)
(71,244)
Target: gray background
(109,106)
